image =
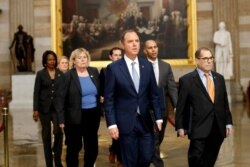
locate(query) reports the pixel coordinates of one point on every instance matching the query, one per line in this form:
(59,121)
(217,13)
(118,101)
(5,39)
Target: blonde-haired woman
(63,64)
(81,113)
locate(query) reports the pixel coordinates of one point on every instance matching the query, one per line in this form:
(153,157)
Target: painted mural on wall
(97,25)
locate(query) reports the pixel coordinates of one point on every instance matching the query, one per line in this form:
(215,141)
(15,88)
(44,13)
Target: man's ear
(121,45)
(196,62)
(110,57)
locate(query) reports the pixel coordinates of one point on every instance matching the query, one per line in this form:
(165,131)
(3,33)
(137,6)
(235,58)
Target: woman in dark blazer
(81,112)
(45,106)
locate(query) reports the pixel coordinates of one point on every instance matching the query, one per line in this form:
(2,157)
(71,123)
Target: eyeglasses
(206,58)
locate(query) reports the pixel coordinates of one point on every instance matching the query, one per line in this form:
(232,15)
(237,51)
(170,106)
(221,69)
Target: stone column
(24,128)
(22,13)
(227,11)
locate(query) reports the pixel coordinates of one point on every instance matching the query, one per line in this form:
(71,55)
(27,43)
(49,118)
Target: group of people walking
(132,92)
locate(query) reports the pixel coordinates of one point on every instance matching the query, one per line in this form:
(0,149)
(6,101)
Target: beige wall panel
(5,75)
(244,39)
(245,19)
(204,6)
(200,1)
(204,15)
(244,28)
(42,29)
(208,44)
(39,3)
(43,19)
(245,65)
(245,51)
(42,11)
(244,7)
(204,32)
(5,82)
(5,70)
(44,43)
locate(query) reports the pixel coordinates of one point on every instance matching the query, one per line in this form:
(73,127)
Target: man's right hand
(114,133)
(61,126)
(35,116)
(181,133)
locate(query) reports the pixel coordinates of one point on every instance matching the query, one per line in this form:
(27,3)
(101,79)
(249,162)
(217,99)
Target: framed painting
(96,25)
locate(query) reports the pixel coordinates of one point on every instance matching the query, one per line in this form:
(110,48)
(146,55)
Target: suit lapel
(76,80)
(125,72)
(47,76)
(46,73)
(93,77)
(57,75)
(216,85)
(143,73)
(199,84)
(161,70)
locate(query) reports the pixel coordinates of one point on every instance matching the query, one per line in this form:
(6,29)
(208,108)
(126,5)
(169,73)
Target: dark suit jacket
(168,85)
(196,112)
(122,99)
(46,92)
(102,80)
(72,96)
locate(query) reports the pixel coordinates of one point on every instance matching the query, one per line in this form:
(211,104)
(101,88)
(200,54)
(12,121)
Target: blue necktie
(135,76)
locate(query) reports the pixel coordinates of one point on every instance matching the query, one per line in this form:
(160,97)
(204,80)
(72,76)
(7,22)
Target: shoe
(111,157)
(119,164)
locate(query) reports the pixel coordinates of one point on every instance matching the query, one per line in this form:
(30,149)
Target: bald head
(151,49)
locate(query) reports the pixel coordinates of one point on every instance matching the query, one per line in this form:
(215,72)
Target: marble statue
(24,49)
(223,51)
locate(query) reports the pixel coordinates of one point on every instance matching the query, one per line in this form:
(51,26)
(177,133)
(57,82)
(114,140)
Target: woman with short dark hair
(45,107)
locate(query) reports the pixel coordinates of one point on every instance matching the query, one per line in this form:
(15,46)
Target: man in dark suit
(130,92)
(203,111)
(114,150)
(167,86)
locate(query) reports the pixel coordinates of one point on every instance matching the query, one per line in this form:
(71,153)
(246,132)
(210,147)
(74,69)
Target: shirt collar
(154,62)
(129,61)
(201,73)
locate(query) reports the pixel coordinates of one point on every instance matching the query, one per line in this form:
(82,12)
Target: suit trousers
(86,134)
(137,147)
(46,120)
(159,136)
(204,152)
(115,148)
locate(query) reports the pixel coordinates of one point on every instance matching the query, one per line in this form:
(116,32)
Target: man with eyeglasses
(202,111)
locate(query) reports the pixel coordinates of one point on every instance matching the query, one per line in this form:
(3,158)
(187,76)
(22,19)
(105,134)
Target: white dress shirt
(156,69)
(129,65)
